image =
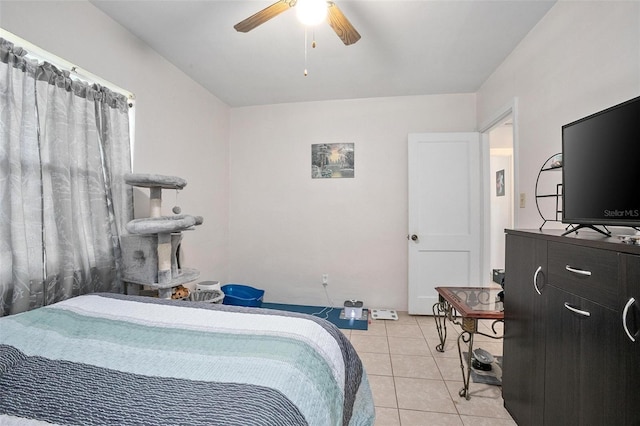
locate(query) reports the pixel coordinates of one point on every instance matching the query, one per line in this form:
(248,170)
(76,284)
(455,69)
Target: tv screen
(601,167)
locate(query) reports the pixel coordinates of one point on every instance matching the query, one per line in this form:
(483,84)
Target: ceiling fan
(336,19)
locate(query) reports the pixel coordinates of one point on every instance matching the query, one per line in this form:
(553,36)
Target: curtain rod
(79,72)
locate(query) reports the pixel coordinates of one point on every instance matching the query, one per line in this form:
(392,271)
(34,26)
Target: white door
(445,215)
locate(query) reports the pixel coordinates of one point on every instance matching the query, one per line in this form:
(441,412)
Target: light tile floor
(413,384)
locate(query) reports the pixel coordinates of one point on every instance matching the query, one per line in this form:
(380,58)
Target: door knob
(414,237)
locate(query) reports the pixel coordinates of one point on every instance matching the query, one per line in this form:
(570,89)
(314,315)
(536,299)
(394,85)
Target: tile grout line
(393,375)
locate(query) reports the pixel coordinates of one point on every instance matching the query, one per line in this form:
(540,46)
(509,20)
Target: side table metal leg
(440,312)
(466,337)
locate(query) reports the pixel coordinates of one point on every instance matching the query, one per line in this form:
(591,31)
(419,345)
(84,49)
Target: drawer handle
(625,312)
(535,280)
(578,271)
(577,311)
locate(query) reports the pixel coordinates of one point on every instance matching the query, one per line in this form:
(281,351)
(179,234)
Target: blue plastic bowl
(242,295)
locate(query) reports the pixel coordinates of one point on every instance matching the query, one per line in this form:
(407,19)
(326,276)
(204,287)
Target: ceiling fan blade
(341,25)
(264,15)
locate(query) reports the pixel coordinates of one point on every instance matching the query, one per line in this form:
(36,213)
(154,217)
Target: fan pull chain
(305,52)
(313,45)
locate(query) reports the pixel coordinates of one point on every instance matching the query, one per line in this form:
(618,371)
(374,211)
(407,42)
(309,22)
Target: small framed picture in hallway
(500,183)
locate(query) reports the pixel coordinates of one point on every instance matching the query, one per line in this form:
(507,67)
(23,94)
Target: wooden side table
(464,306)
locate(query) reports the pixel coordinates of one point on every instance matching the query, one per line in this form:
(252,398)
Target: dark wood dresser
(572,329)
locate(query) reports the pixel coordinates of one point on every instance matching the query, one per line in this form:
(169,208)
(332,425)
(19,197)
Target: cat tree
(150,250)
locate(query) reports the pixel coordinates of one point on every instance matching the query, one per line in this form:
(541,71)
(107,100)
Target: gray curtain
(63,154)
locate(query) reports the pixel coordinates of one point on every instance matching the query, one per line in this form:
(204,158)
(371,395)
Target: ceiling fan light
(311,12)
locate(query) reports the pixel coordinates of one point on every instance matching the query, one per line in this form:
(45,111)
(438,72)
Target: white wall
(582,57)
(287,229)
(181,129)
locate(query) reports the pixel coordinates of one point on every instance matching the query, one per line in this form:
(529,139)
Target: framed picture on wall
(500,183)
(332,160)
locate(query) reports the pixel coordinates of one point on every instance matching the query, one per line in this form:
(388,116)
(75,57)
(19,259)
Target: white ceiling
(407,47)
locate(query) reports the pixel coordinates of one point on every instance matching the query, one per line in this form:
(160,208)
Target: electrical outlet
(523,200)
(325,279)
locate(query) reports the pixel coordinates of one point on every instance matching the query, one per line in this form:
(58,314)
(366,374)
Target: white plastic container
(208,285)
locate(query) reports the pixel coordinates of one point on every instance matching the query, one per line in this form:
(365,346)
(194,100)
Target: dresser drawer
(584,271)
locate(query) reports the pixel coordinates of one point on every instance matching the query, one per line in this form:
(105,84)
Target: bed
(108,359)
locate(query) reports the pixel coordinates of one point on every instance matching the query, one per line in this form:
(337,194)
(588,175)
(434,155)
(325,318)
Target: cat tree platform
(165,290)
(150,250)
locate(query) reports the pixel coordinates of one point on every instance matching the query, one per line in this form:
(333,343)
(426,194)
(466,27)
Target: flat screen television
(601,168)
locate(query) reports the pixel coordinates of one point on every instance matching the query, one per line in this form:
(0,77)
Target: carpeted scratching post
(150,250)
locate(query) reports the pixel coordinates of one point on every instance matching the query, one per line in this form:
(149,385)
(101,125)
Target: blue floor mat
(321,312)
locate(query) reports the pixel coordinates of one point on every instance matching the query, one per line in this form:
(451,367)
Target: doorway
(501,199)
(501,196)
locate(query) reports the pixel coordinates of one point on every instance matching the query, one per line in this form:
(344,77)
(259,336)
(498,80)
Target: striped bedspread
(106,359)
